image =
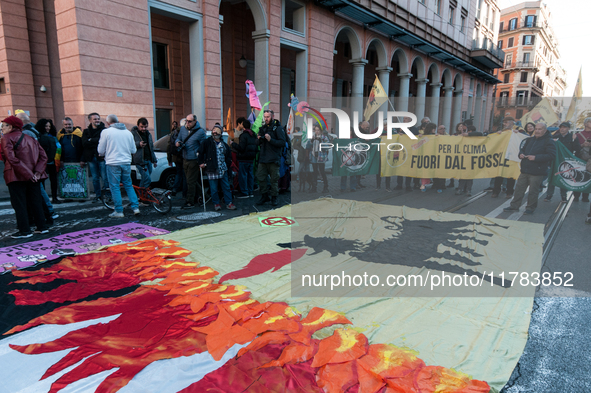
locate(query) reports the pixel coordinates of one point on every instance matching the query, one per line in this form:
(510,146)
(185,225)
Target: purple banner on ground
(31,253)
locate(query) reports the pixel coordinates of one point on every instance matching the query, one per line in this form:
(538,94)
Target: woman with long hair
(529,128)
(49,143)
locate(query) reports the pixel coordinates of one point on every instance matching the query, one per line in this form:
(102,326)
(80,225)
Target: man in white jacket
(117,146)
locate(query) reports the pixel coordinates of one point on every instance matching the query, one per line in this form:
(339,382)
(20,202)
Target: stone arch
(400,55)
(446,78)
(381,51)
(421,70)
(458,82)
(433,71)
(258,14)
(354,41)
(478,90)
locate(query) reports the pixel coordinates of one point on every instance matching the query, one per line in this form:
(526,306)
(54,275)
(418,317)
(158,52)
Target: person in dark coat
(144,158)
(50,145)
(570,141)
(90,140)
(215,156)
(272,142)
(536,154)
(246,148)
(24,168)
(175,157)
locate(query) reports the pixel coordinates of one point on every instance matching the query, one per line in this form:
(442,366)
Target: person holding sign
(572,144)
(508,125)
(536,154)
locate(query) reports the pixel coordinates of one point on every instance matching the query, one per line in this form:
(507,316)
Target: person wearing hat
(216,157)
(24,168)
(570,141)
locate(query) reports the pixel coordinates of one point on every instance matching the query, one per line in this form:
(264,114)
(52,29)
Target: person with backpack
(271,138)
(189,140)
(24,161)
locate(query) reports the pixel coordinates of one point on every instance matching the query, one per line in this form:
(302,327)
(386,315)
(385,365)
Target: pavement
(557,356)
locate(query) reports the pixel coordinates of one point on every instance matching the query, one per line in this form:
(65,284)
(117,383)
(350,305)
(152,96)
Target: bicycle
(161,202)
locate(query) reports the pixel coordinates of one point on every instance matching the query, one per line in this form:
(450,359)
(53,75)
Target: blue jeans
(146,172)
(213,187)
(121,174)
(46,199)
(98,171)
(246,177)
(353,182)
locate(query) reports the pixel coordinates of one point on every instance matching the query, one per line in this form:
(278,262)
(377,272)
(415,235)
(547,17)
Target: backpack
(287,154)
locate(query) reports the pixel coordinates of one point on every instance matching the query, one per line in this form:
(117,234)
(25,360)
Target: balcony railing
(524,24)
(485,44)
(521,64)
(529,102)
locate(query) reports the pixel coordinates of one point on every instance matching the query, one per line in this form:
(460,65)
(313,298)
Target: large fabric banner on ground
(448,156)
(72,182)
(352,157)
(31,253)
(569,172)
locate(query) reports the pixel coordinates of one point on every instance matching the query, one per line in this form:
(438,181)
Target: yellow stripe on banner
(447,156)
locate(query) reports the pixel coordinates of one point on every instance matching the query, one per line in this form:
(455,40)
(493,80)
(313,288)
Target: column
(338,105)
(285,94)
(384,76)
(197,72)
(435,93)
(420,99)
(261,61)
(483,115)
(357,87)
(402,104)
(477,110)
(447,101)
(457,111)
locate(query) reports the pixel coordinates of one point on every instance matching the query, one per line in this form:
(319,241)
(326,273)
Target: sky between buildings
(571,26)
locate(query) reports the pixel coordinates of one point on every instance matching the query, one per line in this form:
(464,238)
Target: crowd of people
(35,152)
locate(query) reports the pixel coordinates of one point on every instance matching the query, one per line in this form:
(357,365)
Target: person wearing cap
(24,168)
(215,156)
(570,141)
(508,125)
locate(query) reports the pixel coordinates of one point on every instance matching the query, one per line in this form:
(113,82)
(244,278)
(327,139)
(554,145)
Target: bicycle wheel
(164,204)
(107,199)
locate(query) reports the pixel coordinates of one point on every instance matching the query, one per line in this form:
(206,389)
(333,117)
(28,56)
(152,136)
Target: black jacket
(208,155)
(90,141)
(543,149)
(138,157)
(48,143)
(271,150)
(247,147)
(569,141)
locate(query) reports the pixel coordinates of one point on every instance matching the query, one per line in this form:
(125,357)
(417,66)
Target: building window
(452,15)
(513,24)
(500,44)
(504,98)
(462,23)
(526,58)
(501,25)
(519,113)
(530,21)
(422,1)
(2,86)
(522,97)
(163,122)
(160,65)
(294,16)
(523,77)
(438,7)
(528,40)
(506,78)
(510,43)
(508,60)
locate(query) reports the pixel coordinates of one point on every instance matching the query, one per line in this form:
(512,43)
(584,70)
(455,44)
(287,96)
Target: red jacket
(29,157)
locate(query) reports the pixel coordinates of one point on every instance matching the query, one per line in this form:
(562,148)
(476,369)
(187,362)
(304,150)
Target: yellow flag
(542,112)
(377,97)
(229,125)
(572,109)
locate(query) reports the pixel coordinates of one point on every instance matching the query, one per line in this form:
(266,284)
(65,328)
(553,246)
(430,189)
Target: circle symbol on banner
(396,158)
(574,173)
(278,221)
(354,160)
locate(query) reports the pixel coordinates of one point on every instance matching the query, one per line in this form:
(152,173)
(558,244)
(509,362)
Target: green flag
(259,120)
(569,172)
(352,157)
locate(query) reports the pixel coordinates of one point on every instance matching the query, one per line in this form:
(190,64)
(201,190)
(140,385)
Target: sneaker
(217,207)
(563,199)
(509,196)
(97,199)
(231,207)
(528,211)
(459,192)
(55,201)
(423,189)
(388,189)
(243,196)
(469,193)
(547,199)
(575,199)
(439,191)
(21,235)
(54,216)
(488,189)
(116,215)
(510,209)
(136,211)
(144,204)
(41,231)
(251,195)
(188,205)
